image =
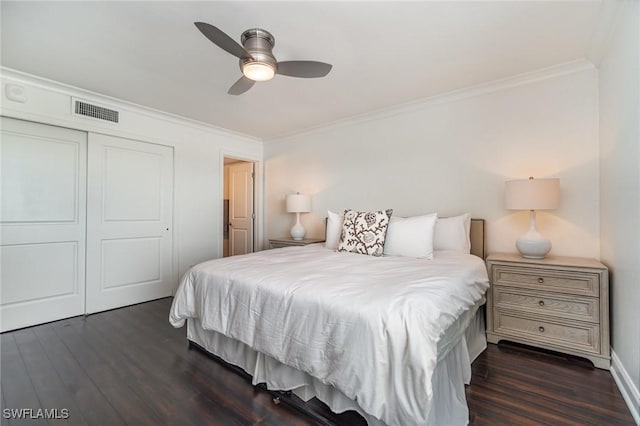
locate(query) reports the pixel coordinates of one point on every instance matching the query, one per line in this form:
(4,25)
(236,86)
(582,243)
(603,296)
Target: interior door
(42,223)
(129,225)
(241,208)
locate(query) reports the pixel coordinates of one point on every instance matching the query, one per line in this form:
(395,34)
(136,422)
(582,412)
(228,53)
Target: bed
(390,337)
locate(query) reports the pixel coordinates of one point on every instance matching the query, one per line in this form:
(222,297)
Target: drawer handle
(541,329)
(541,303)
(540,280)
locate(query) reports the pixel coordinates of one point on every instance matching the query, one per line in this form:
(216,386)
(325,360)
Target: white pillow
(411,236)
(452,233)
(334,229)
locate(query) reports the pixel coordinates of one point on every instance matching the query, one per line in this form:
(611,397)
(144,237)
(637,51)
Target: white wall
(452,154)
(619,90)
(198,156)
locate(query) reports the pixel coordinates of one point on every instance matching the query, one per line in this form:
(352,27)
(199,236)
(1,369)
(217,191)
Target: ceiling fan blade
(304,69)
(241,86)
(222,40)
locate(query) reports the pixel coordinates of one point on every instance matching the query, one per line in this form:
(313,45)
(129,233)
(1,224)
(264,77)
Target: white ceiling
(383,53)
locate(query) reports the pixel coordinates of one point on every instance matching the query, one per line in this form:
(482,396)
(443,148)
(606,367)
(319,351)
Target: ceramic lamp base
(297,231)
(533,245)
(533,248)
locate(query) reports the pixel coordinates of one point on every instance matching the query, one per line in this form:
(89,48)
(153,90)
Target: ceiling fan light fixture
(258,71)
(257,62)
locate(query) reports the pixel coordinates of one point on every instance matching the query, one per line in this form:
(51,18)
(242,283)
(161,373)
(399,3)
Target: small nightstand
(288,242)
(556,303)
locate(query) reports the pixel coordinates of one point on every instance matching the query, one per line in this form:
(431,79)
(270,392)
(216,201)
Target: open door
(241,212)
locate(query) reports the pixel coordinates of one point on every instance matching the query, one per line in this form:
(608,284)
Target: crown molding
(459,94)
(68,90)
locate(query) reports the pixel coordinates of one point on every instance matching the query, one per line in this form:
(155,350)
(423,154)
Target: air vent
(95,111)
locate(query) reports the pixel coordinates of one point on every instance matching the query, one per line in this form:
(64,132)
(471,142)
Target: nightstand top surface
(292,241)
(579,262)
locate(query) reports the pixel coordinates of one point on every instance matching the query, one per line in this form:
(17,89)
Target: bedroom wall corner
(619,105)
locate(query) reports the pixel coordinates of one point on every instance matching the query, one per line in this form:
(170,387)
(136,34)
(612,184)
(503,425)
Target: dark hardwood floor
(129,366)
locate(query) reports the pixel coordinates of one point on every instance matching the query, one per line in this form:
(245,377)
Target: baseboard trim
(627,388)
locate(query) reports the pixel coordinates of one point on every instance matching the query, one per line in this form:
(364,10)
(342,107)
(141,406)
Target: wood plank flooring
(129,366)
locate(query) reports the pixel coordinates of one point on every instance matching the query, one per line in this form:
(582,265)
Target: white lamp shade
(532,194)
(298,203)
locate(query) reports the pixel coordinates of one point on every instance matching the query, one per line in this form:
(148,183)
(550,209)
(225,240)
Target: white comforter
(365,325)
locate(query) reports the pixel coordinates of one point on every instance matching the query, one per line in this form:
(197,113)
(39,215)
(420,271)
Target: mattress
(371,328)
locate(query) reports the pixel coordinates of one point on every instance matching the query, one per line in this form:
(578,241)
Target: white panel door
(240,208)
(42,223)
(129,222)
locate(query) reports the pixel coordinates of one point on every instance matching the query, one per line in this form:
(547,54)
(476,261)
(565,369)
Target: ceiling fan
(257,63)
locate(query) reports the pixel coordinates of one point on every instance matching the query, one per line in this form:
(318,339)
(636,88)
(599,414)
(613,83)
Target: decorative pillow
(452,233)
(364,232)
(411,236)
(334,229)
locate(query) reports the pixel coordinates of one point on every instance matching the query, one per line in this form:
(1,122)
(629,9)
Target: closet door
(42,223)
(129,222)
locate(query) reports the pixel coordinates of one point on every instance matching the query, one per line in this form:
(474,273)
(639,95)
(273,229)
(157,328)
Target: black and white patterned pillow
(364,232)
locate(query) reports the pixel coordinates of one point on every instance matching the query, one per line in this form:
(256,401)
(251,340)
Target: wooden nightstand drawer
(550,280)
(576,336)
(544,303)
(287,242)
(275,245)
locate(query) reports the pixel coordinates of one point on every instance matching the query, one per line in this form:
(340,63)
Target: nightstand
(556,303)
(288,242)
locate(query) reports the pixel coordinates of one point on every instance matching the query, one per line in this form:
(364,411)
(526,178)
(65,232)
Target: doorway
(238,207)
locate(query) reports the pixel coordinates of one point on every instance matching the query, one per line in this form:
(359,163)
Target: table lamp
(532,194)
(298,203)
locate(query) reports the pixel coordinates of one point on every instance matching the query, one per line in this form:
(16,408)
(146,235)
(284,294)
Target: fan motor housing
(257,35)
(258,43)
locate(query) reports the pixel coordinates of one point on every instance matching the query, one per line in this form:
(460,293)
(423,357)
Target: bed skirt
(464,341)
